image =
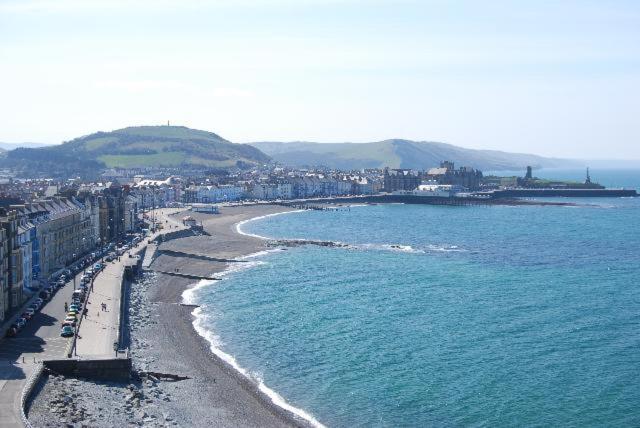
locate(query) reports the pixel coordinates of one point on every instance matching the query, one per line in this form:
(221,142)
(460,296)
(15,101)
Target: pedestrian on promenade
(66,307)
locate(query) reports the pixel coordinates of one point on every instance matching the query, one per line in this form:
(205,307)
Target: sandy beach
(163,340)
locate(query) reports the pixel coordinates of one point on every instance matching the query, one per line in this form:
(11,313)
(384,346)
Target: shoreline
(238,247)
(177,378)
(210,336)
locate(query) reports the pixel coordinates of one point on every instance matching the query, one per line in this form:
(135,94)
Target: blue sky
(559,78)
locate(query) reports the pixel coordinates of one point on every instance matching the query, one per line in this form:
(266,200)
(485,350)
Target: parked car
(21,322)
(12,331)
(66,331)
(27,315)
(71,320)
(39,301)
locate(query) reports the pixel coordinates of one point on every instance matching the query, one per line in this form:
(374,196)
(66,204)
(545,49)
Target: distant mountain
(400,154)
(142,146)
(11,146)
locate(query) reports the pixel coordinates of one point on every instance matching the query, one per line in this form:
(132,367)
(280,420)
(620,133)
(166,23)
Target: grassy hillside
(399,154)
(143,146)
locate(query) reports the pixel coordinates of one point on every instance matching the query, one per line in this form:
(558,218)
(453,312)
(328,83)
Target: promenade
(40,339)
(99,328)
(98,332)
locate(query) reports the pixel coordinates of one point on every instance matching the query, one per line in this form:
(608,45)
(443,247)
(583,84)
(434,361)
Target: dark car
(66,331)
(12,331)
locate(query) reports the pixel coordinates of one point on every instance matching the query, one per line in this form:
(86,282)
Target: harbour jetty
(568,193)
(492,197)
(408,199)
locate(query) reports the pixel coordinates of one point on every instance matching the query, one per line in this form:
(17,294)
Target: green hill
(142,146)
(399,154)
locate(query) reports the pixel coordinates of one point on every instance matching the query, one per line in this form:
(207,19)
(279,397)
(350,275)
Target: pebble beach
(177,380)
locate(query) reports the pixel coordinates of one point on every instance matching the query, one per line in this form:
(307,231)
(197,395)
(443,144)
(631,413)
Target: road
(40,339)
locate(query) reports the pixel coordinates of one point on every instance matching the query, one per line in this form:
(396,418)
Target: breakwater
(494,197)
(569,193)
(406,199)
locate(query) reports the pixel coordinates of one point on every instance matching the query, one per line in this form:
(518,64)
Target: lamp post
(73,273)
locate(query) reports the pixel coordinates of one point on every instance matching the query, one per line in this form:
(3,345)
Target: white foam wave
(243,222)
(188,295)
(215,346)
(199,322)
(408,248)
(445,248)
(388,247)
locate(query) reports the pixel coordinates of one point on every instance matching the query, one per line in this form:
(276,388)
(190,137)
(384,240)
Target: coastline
(252,403)
(179,377)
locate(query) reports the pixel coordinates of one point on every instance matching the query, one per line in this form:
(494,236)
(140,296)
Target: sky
(555,78)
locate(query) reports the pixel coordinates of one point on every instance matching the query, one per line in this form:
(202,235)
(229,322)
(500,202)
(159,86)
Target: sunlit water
(444,316)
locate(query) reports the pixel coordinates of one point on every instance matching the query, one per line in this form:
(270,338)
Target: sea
(442,316)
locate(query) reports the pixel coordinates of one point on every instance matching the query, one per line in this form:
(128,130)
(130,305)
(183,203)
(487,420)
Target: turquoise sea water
(444,316)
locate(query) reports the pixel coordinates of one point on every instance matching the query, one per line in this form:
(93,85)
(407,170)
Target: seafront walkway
(40,339)
(99,329)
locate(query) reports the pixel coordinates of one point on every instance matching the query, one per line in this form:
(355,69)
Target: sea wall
(102,369)
(569,193)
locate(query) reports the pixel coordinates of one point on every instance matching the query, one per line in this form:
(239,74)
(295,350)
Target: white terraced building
(213,193)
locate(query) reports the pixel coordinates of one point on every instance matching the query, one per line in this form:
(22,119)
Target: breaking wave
(201,319)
